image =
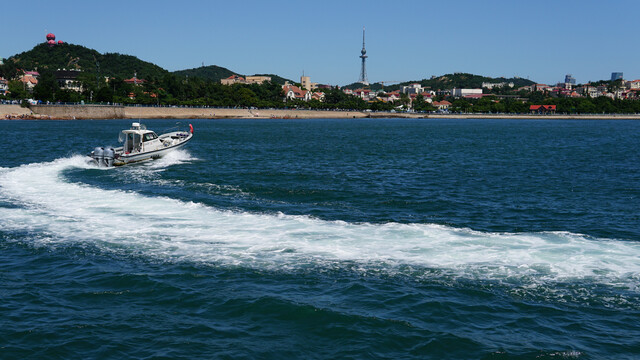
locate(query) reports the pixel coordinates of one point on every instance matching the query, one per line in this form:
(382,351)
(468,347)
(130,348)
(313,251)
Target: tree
(47,87)
(17,90)
(105,94)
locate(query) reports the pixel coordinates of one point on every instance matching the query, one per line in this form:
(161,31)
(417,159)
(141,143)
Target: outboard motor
(98,156)
(108,157)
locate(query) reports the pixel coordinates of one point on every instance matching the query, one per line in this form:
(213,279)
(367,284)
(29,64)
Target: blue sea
(323,239)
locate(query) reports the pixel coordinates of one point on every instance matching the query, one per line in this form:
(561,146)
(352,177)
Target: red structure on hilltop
(51,40)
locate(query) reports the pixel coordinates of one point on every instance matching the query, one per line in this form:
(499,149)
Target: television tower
(363,70)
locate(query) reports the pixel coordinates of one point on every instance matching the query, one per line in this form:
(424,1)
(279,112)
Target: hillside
(277,79)
(449,81)
(215,73)
(211,72)
(468,81)
(69,56)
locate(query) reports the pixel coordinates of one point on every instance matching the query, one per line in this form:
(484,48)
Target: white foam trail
(184,231)
(175,157)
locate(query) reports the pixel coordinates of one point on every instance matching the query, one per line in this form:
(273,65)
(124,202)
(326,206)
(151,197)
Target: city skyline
(542,42)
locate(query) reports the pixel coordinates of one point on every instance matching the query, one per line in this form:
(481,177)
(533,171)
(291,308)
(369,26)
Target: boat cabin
(138,139)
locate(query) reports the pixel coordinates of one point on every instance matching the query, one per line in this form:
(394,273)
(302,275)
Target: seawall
(143,112)
(13,111)
(79,111)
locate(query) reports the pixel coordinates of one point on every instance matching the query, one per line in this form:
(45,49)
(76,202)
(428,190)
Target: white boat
(140,144)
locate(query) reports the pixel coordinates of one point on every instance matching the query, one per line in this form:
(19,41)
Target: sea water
(428,239)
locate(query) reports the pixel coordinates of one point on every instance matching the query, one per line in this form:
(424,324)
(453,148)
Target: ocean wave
(125,221)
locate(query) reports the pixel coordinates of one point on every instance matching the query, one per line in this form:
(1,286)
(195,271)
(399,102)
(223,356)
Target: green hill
(449,81)
(69,56)
(211,72)
(276,79)
(468,81)
(216,73)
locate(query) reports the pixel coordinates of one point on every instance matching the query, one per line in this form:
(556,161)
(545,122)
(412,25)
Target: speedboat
(140,144)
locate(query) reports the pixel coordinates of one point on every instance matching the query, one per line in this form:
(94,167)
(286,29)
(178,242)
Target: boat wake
(37,199)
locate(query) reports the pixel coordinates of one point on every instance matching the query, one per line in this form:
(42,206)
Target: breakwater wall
(79,111)
(142,112)
(10,111)
(145,112)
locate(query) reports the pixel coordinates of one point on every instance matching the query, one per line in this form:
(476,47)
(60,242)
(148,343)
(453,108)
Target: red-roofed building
(391,96)
(135,81)
(542,109)
(364,94)
(29,81)
(634,84)
(442,105)
(476,96)
(541,87)
(294,92)
(233,79)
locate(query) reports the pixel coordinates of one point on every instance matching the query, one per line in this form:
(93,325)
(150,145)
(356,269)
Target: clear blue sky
(406,40)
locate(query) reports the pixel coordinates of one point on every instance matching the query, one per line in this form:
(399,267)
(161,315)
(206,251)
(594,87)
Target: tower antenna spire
(363,69)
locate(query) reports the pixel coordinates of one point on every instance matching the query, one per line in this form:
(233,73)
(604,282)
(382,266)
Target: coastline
(70,112)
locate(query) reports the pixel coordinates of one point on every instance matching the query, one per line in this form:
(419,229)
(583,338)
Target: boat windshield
(149,136)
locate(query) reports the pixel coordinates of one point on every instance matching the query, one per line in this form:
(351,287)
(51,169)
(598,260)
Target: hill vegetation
(211,73)
(216,73)
(69,56)
(102,78)
(448,81)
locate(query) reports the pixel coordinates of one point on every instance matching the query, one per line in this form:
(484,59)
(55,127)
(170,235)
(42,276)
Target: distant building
(35,74)
(233,79)
(412,89)
(364,94)
(236,79)
(392,96)
(587,90)
(4,86)
(257,79)
(305,83)
(542,109)
(497,85)
(29,80)
(135,81)
(1,61)
(295,93)
(569,79)
(541,87)
(633,84)
(441,105)
(615,76)
(68,79)
(463,92)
